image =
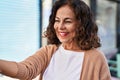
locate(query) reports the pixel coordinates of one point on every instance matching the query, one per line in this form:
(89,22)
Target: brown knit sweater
(94,66)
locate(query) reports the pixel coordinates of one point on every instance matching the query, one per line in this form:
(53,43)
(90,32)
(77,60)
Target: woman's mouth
(63,34)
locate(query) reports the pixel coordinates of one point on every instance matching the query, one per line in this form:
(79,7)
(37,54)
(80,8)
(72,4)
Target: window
(19,28)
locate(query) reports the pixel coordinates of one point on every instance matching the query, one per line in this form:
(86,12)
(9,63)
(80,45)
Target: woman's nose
(61,25)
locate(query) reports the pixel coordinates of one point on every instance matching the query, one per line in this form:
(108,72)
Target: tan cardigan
(95,66)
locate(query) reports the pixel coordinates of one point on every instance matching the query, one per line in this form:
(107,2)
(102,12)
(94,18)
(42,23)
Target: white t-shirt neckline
(64,65)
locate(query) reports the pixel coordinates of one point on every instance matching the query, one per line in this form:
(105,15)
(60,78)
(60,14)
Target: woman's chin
(65,41)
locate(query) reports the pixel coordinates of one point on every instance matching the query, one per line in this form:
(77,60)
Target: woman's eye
(57,21)
(68,22)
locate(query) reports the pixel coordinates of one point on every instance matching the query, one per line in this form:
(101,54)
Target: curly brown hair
(86,33)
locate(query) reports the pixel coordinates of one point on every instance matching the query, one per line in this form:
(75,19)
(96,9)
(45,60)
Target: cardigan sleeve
(35,64)
(32,66)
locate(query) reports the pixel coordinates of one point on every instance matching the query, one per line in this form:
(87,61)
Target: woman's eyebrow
(67,18)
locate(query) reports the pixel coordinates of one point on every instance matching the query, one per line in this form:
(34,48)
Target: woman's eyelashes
(68,21)
(65,21)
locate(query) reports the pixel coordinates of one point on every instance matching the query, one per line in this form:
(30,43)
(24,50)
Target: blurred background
(22,23)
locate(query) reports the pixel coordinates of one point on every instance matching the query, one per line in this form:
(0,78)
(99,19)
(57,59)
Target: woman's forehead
(65,11)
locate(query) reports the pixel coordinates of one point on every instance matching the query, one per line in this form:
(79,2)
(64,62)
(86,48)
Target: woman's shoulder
(95,54)
(48,48)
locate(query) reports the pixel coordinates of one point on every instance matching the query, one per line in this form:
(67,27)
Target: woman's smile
(63,34)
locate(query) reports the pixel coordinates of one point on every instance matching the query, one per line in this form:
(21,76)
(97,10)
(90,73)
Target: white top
(64,65)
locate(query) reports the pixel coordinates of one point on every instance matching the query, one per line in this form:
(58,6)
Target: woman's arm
(26,69)
(30,67)
(8,68)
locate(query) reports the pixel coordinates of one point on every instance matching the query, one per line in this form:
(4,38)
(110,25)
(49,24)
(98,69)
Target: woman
(72,53)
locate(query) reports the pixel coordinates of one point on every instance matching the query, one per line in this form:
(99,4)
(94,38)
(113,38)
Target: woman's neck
(71,46)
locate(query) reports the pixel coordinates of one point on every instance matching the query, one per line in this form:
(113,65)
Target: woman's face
(65,24)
